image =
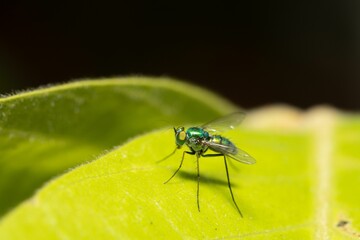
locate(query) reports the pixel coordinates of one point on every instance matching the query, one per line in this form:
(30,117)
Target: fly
(200,139)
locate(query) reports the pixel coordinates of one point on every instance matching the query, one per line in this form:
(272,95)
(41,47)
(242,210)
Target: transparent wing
(232,151)
(225,123)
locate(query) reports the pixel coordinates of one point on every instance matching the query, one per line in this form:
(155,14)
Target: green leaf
(304,185)
(47,131)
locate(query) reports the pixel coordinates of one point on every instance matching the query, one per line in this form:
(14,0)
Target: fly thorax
(195,137)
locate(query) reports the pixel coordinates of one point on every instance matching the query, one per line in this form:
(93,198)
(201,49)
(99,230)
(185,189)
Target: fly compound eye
(182,136)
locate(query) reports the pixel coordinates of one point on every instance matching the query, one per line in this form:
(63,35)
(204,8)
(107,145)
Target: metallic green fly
(200,139)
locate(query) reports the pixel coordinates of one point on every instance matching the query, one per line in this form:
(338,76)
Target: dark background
(254,53)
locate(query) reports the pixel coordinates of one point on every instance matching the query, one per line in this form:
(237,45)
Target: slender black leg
(198,182)
(229,184)
(228,177)
(163,159)
(182,159)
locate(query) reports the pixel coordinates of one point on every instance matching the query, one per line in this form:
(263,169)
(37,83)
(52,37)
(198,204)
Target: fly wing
(232,151)
(225,123)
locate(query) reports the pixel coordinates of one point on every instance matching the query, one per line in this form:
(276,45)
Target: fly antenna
(172,153)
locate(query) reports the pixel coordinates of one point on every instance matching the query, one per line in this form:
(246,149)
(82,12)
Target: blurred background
(254,53)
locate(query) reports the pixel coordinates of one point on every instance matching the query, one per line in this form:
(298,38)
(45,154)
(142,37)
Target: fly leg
(198,181)
(228,178)
(182,159)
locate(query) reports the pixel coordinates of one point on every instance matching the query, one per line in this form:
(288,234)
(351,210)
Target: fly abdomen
(221,140)
(230,147)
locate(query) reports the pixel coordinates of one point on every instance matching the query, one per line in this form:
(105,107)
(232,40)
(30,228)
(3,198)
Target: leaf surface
(303,186)
(45,132)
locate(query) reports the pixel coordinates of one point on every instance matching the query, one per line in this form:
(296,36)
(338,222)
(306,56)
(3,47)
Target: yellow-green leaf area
(303,186)
(121,195)
(346,179)
(45,132)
